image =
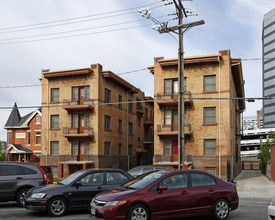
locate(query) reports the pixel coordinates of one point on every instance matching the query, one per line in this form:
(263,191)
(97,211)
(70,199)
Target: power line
(76,35)
(250,99)
(77,30)
(69,19)
(35,85)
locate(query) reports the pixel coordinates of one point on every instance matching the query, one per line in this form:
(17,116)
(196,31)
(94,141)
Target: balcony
(148,140)
(140,109)
(170,130)
(141,150)
(78,105)
(168,100)
(148,121)
(78,132)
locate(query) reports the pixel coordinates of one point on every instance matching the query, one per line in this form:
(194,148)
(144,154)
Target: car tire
(138,211)
(20,197)
(57,207)
(221,209)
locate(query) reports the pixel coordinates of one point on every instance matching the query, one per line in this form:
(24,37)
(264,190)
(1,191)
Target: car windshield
(144,180)
(71,178)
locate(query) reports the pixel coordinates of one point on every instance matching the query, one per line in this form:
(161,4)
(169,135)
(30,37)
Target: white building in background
(250,123)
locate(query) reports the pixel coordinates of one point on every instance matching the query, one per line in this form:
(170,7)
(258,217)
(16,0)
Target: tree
(264,155)
(2,155)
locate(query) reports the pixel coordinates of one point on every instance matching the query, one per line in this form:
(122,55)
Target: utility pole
(179,29)
(182,28)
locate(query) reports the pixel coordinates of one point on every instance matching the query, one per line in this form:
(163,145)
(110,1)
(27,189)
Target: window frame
(207,148)
(205,117)
(107,96)
(55,98)
(107,123)
(107,148)
(52,148)
(53,124)
(207,84)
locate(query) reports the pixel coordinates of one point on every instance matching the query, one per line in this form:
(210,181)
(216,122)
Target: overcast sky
(65,34)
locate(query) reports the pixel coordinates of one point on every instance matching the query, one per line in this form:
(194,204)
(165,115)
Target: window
(107,146)
(75,148)
(210,147)
(115,178)
(130,128)
(171,86)
(37,137)
(119,149)
(199,179)
(54,121)
(120,101)
(209,83)
(92,179)
(210,115)
(37,119)
(107,122)
(9,137)
(87,120)
(119,126)
(54,147)
(130,106)
(211,170)
(86,148)
(130,149)
(107,97)
(168,117)
(177,181)
(80,93)
(55,95)
(168,148)
(28,138)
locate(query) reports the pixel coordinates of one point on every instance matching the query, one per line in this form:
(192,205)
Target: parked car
(136,171)
(16,178)
(271,209)
(48,171)
(167,194)
(74,192)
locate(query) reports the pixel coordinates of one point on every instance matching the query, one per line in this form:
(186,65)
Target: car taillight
(45,179)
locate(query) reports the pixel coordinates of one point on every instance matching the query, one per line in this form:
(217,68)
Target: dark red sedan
(167,194)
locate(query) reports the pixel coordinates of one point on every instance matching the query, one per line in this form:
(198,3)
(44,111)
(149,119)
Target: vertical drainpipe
(47,146)
(220,167)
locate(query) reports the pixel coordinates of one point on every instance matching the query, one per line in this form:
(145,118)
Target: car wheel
(57,207)
(20,198)
(138,212)
(221,209)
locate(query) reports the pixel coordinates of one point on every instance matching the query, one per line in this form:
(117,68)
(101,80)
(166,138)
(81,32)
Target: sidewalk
(252,184)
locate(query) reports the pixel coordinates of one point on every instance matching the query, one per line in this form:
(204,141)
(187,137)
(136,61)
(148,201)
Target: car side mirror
(162,187)
(77,184)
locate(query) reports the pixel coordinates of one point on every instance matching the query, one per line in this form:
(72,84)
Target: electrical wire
(69,19)
(250,99)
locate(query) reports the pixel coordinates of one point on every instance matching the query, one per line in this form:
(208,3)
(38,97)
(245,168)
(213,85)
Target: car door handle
(184,193)
(211,190)
(19,178)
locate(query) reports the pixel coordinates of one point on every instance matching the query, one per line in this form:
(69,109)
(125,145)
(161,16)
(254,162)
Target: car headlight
(38,195)
(114,203)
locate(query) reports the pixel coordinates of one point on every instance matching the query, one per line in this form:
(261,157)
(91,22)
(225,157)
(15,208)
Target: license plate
(93,211)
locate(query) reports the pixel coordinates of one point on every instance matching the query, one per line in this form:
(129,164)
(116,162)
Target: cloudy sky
(65,34)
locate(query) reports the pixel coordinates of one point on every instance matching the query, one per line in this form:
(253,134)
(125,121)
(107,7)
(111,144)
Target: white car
(271,209)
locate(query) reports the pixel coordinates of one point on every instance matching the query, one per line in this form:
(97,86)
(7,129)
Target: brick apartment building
(94,118)
(212,115)
(23,136)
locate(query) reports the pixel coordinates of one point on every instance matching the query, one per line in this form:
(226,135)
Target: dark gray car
(17,178)
(136,171)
